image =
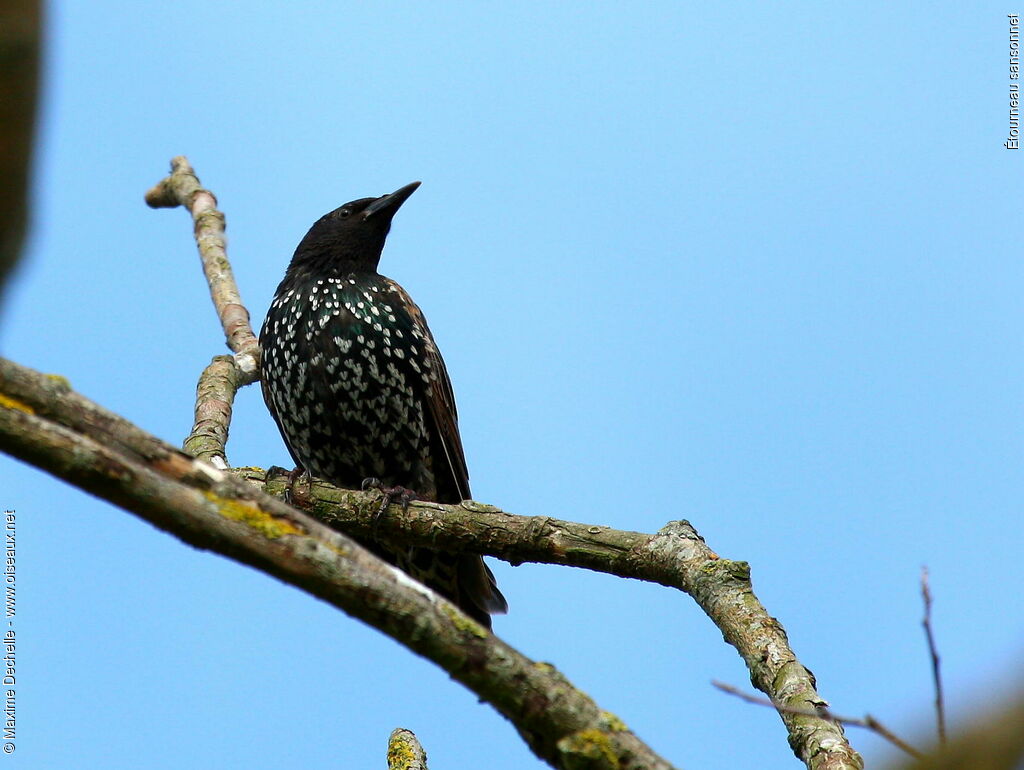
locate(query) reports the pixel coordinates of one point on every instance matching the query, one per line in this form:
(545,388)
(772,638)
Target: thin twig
(217,386)
(940,710)
(215,395)
(182,188)
(821,711)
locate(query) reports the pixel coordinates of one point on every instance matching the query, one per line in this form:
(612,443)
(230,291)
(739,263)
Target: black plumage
(356,384)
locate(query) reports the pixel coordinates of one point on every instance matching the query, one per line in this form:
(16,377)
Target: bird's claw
(293,476)
(390,495)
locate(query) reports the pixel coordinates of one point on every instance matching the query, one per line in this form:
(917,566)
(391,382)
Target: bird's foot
(390,495)
(293,476)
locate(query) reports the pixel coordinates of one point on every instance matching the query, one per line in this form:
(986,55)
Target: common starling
(359,391)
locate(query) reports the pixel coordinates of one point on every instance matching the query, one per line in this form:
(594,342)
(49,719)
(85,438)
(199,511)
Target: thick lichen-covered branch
(676,556)
(44,423)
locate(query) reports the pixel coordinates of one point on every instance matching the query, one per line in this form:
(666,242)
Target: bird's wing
(441,404)
(478,591)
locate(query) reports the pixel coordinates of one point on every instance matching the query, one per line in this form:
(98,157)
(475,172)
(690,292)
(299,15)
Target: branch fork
(196,496)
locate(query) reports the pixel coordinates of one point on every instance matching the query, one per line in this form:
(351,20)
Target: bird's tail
(461,578)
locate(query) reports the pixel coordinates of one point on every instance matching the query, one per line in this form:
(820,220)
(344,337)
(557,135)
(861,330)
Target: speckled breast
(345,372)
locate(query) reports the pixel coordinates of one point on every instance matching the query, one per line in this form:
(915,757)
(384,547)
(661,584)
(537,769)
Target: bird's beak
(390,203)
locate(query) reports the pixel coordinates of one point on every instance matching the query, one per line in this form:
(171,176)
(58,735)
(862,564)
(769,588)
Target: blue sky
(754,266)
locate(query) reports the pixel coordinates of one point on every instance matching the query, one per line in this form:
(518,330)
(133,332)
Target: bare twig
(405,751)
(940,711)
(215,395)
(820,710)
(217,386)
(182,188)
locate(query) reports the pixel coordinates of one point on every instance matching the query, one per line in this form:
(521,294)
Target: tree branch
(405,751)
(44,423)
(675,557)
(215,393)
(182,188)
(215,396)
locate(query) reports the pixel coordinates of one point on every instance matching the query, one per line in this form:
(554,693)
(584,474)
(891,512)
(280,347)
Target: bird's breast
(345,373)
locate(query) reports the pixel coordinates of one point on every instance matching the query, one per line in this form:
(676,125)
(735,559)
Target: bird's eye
(345,213)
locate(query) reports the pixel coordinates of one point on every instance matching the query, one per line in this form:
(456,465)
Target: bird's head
(350,238)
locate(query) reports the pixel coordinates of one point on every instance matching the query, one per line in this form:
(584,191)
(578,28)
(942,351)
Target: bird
(356,384)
